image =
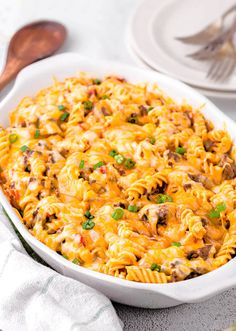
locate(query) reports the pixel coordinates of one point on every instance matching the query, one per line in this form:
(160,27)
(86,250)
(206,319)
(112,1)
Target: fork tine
(216,65)
(223,65)
(234,66)
(213,68)
(220,70)
(229,70)
(226,70)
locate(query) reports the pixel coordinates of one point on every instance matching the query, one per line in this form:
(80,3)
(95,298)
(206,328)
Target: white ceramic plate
(39,75)
(153,29)
(209,93)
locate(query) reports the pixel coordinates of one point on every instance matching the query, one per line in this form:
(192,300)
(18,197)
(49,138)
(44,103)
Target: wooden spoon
(29,44)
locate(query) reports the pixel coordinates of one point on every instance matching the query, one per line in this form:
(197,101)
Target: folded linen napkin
(34,297)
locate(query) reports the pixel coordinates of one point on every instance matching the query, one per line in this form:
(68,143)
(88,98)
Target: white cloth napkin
(36,298)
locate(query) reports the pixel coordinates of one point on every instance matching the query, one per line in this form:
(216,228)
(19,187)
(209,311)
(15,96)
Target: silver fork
(223,65)
(208,33)
(214,47)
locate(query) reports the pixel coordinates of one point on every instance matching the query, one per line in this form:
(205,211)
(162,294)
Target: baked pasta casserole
(120,179)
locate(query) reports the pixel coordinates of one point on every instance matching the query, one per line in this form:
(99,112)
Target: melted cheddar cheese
(120,179)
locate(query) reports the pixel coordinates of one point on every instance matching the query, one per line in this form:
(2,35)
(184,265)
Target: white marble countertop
(97,28)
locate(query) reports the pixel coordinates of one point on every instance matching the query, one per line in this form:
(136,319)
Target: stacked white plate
(153,29)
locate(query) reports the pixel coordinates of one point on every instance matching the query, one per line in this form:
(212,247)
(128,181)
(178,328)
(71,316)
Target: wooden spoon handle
(10,72)
(5,79)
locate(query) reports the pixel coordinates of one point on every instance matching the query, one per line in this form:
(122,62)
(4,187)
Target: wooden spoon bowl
(31,43)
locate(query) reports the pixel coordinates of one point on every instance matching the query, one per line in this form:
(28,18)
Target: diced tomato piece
(103,170)
(83,241)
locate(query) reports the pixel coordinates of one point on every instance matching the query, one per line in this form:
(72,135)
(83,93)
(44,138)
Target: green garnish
(64,116)
(155,267)
(132,208)
(98,165)
(88,215)
(61,107)
(88,225)
(24,148)
(176,244)
(76,261)
(37,134)
(129,164)
(162,198)
(152,140)
(113,153)
(97,81)
(180,150)
(221,207)
(88,105)
(150,108)
(103,97)
(65,257)
(119,158)
(13,138)
(118,214)
(81,164)
(133,119)
(215,213)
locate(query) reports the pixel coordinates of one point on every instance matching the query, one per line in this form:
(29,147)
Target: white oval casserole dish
(39,75)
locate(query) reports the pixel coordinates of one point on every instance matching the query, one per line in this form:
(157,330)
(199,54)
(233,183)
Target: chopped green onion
(24,148)
(176,244)
(103,97)
(61,107)
(64,116)
(98,165)
(221,207)
(76,261)
(13,138)
(88,225)
(150,108)
(133,119)
(132,208)
(129,164)
(88,105)
(162,198)
(65,257)
(37,134)
(155,267)
(118,214)
(152,140)
(113,153)
(81,164)
(215,213)
(180,150)
(88,215)
(97,81)
(119,158)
